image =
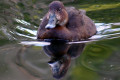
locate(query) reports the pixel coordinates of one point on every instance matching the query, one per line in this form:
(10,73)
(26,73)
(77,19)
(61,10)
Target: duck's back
(79,24)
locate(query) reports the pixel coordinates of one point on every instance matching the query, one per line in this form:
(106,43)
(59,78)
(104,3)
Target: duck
(65,23)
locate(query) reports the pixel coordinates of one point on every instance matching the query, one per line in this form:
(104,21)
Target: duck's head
(57,15)
(60,66)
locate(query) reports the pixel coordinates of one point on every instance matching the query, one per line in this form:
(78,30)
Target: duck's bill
(55,66)
(52,22)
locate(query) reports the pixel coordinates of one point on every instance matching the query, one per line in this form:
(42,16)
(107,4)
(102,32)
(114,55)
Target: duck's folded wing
(80,24)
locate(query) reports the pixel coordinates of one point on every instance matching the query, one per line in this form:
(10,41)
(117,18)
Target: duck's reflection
(61,54)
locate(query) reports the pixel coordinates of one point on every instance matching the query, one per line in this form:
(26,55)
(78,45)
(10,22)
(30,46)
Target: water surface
(22,57)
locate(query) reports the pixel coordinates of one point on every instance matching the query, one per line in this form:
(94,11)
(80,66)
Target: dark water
(24,58)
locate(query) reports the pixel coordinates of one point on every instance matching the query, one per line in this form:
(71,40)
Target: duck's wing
(79,23)
(75,17)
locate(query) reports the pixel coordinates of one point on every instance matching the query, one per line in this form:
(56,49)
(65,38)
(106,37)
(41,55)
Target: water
(24,58)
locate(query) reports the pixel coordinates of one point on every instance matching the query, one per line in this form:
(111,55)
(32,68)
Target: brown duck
(65,23)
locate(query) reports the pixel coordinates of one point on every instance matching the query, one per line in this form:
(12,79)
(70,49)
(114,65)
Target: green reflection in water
(25,32)
(100,10)
(95,54)
(82,73)
(21,5)
(101,57)
(6,41)
(106,15)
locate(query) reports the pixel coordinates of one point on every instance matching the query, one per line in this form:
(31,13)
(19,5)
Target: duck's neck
(64,19)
